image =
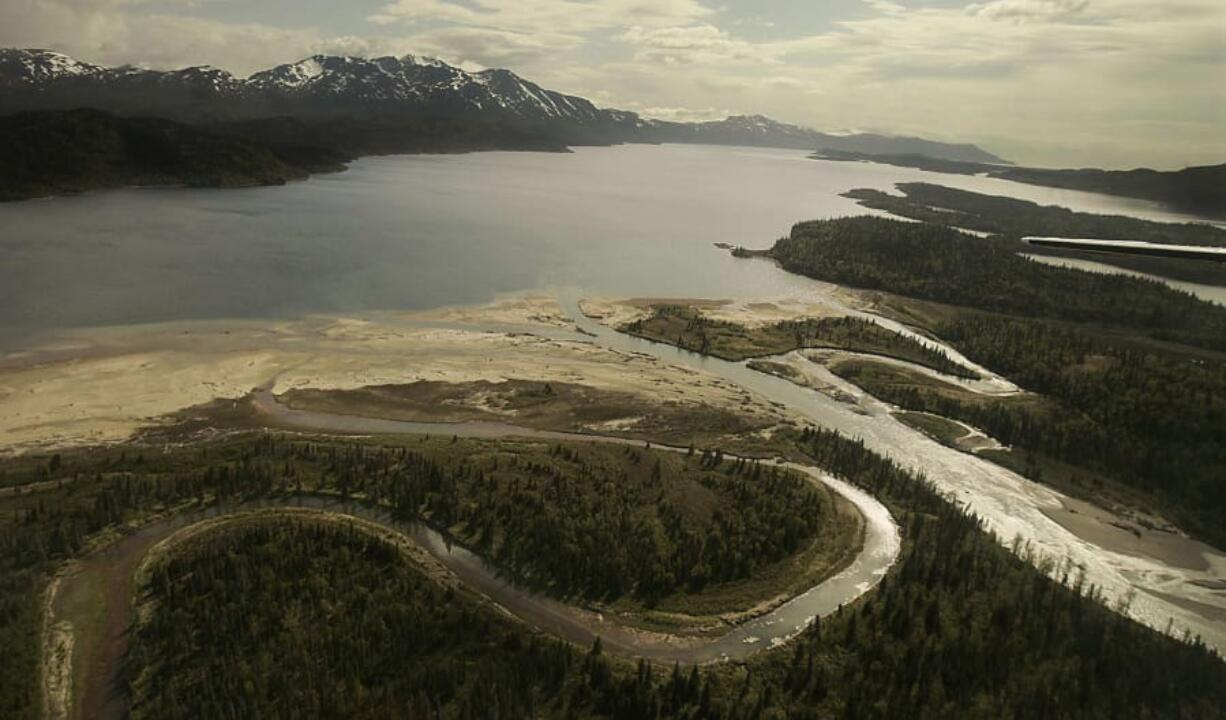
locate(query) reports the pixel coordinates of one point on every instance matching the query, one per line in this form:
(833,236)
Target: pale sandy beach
(102,385)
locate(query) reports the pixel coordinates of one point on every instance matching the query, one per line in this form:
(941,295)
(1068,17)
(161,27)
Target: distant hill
(325,85)
(1194,189)
(756,130)
(54,152)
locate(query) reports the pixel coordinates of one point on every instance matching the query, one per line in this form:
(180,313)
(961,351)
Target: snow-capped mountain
(30,67)
(326,85)
(318,85)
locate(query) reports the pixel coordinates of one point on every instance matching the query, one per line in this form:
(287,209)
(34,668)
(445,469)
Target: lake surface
(415,232)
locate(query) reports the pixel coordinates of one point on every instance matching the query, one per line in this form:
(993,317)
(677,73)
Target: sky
(1061,83)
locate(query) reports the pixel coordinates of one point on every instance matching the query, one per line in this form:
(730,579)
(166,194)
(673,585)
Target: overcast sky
(1116,83)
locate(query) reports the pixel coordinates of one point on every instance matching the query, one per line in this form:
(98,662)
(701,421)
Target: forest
(1149,418)
(687,328)
(595,522)
(1015,219)
(962,627)
(299,618)
(937,263)
(1118,404)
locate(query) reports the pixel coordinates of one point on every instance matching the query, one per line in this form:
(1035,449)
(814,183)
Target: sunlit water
(426,231)
(429,231)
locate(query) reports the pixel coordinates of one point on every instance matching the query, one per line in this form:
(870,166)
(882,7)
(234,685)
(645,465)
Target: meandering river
(114,567)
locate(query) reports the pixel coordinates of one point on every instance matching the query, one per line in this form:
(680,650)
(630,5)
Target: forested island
(57,152)
(962,625)
(1199,189)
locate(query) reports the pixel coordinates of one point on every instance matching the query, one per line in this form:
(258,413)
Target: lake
(414,232)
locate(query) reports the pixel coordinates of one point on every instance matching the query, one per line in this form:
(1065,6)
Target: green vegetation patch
(687,328)
(941,429)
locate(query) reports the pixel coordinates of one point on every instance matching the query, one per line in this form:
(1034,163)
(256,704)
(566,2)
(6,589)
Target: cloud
(1024,11)
(490,48)
(109,32)
(528,16)
(682,114)
(1064,82)
(692,44)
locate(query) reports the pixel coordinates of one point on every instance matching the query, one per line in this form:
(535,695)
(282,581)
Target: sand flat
(1111,532)
(116,380)
(616,312)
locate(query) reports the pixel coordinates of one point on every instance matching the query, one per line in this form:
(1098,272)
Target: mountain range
(325,86)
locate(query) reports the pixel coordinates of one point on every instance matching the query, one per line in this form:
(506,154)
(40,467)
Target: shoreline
(102,385)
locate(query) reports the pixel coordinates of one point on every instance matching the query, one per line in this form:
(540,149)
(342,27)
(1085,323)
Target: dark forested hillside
(48,153)
(1010,216)
(55,152)
(307,619)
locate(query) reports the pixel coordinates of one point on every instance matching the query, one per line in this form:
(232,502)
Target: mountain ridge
(322,85)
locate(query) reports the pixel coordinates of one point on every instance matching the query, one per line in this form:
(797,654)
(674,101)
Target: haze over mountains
(322,86)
